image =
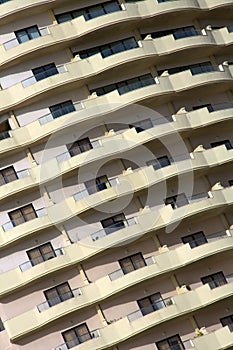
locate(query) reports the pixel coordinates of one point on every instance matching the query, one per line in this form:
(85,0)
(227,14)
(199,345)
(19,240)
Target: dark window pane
(132,263)
(195,239)
(43,72)
(215,280)
(227,143)
(42,253)
(26,34)
(62,109)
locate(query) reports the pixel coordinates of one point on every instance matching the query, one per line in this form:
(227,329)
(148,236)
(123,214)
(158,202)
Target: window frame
(22,214)
(27,33)
(5,177)
(228,324)
(75,331)
(214,283)
(133,266)
(80,146)
(45,71)
(193,243)
(60,297)
(62,108)
(42,254)
(160,344)
(152,305)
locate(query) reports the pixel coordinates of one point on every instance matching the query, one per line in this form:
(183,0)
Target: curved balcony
(178,305)
(86,110)
(128,140)
(108,285)
(70,255)
(220,339)
(82,71)
(65,32)
(13,8)
(70,207)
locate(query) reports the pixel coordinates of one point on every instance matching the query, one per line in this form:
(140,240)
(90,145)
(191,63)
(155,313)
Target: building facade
(116,174)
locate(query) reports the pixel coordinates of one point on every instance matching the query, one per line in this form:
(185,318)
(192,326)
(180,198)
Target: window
(43,72)
(151,303)
(142,125)
(203,67)
(41,253)
(131,263)
(26,34)
(177,201)
(159,162)
(80,146)
(227,321)
(1,326)
(230,182)
(215,280)
(159,1)
(227,143)
(62,109)
(198,68)
(3,1)
(178,33)
(113,223)
(7,175)
(76,335)
(207,105)
(22,215)
(195,239)
(4,129)
(109,49)
(90,11)
(184,32)
(126,86)
(171,343)
(102,183)
(58,294)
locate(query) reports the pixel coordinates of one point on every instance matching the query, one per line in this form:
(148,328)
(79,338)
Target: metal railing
(49,116)
(95,188)
(62,297)
(14,42)
(113,228)
(43,75)
(121,272)
(11,224)
(78,340)
(67,155)
(45,257)
(160,304)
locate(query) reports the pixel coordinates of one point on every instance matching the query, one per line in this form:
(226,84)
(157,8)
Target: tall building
(116,174)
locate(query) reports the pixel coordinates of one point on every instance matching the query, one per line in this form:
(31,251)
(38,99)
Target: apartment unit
(116,183)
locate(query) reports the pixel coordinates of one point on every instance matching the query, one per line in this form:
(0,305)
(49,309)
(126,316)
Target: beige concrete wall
(33,295)
(14,256)
(94,267)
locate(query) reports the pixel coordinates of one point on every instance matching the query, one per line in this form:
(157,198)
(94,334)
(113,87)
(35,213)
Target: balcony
(181,304)
(105,287)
